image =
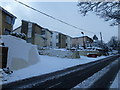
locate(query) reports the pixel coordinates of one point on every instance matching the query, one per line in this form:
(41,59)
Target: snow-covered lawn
(47,64)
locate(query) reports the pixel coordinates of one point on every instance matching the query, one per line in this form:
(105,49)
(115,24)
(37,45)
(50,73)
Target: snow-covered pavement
(96,76)
(116,82)
(47,64)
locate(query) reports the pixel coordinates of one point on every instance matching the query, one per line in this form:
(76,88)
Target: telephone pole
(83,40)
(101,38)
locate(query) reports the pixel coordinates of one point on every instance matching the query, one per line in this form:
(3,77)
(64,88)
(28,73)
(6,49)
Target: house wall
(62,40)
(38,29)
(75,42)
(69,42)
(88,41)
(78,41)
(37,39)
(28,31)
(48,36)
(24,27)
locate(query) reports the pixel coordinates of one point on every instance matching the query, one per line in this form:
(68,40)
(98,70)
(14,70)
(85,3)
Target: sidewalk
(116,82)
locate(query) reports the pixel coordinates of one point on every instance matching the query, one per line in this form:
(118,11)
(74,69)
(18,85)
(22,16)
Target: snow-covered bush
(19,35)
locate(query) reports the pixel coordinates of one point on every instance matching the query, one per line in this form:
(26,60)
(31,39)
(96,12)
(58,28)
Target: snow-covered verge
(46,65)
(20,53)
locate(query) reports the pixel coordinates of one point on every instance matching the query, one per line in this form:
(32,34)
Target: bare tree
(107,10)
(114,43)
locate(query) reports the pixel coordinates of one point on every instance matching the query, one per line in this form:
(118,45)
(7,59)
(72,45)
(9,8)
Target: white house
(55,41)
(69,42)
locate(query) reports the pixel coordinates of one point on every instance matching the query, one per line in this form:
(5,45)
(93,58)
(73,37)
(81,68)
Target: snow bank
(20,53)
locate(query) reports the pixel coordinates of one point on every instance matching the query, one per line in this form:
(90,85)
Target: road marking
(55,85)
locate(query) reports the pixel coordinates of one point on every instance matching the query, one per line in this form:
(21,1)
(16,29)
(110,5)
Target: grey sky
(66,11)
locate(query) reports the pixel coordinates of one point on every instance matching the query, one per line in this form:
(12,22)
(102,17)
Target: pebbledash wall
(60,53)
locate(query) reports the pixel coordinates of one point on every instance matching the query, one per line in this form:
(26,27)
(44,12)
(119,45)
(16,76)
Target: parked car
(94,55)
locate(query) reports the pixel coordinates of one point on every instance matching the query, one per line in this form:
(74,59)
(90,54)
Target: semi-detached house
(35,34)
(60,40)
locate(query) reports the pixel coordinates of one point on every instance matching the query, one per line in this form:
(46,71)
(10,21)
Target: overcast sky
(66,11)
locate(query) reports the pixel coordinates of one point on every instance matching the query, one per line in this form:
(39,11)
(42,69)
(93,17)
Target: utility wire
(53,17)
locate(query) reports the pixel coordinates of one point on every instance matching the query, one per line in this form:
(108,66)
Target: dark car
(94,55)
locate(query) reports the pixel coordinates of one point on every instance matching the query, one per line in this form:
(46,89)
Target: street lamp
(83,40)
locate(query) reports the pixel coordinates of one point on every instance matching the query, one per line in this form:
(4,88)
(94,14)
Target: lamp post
(83,40)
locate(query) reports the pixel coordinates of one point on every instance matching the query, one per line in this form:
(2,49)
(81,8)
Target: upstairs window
(66,44)
(29,34)
(43,32)
(57,44)
(56,36)
(50,43)
(8,19)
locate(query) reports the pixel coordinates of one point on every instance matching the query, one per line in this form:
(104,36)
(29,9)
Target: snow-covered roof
(5,11)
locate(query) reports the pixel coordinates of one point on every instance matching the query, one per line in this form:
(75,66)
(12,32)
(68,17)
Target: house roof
(56,31)
(82,37)
(8,13)
(33,23)
(48,30)
(62,33)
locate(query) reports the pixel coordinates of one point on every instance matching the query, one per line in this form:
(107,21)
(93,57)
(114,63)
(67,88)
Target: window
(13,21)
(56,44)
(29,34)
(8,19)
(66,44)
(50,43)
(43,32)
(56,36)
